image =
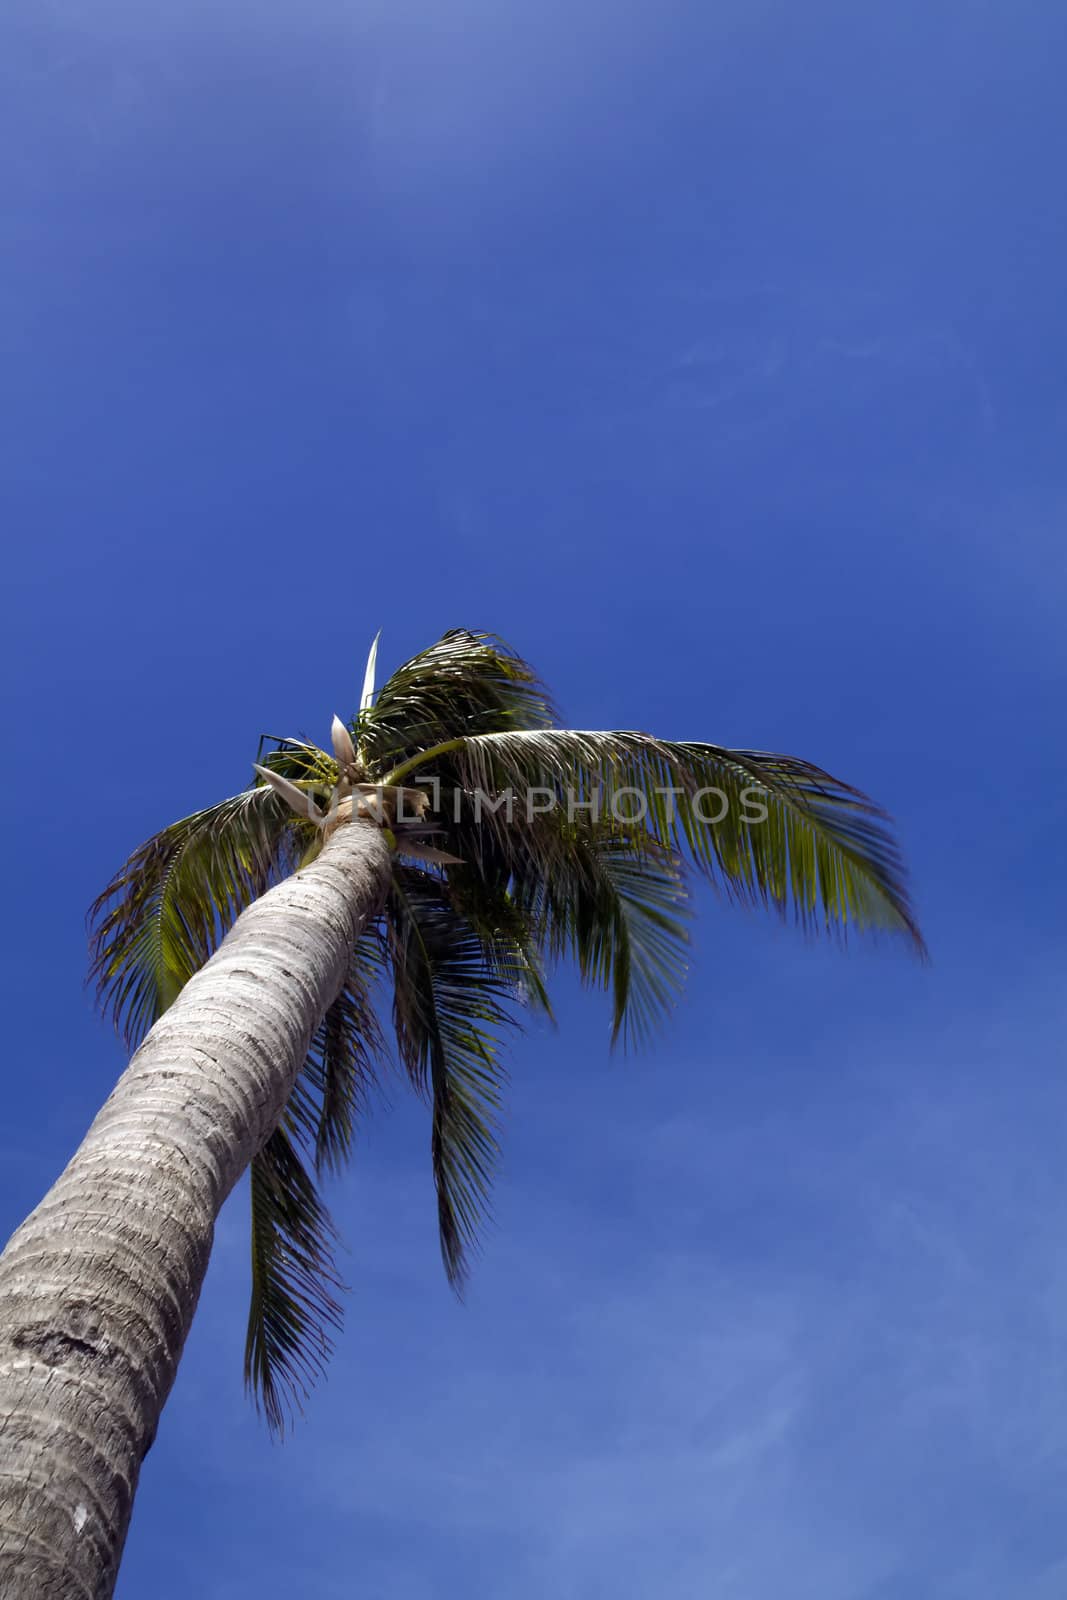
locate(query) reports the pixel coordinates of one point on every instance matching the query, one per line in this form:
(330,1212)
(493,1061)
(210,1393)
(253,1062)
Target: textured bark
(99,1285)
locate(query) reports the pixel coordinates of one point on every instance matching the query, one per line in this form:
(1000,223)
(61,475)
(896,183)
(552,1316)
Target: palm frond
(766,828)
(512,944)
(294,1310)
(613,900)
(303,763)
(164,912)
(618,904)
(466,682)
(344,1061)
(450,1010)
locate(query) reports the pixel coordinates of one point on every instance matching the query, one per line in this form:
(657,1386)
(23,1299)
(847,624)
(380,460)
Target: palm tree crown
(490,887)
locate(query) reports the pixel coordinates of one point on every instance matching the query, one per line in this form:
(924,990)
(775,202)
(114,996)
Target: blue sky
(713,354)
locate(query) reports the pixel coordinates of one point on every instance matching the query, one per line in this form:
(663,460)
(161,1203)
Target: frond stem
(394,777)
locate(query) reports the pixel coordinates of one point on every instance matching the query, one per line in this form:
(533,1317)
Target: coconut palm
(451,848)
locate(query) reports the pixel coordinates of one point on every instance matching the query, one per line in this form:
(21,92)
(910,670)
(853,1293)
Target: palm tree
(454,845)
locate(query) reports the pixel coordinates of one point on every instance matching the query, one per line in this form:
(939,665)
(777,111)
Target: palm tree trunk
(99,1285)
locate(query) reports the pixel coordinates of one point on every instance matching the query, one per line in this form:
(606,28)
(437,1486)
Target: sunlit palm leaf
(306,766)
(824,851)
(466,682)
(163,914)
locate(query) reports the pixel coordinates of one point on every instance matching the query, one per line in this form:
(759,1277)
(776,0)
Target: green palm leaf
(824,849)
(451,1007)
(294,1310)
(619,908)
(614,901)
(344,1061)
(164,912)
(467,681)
